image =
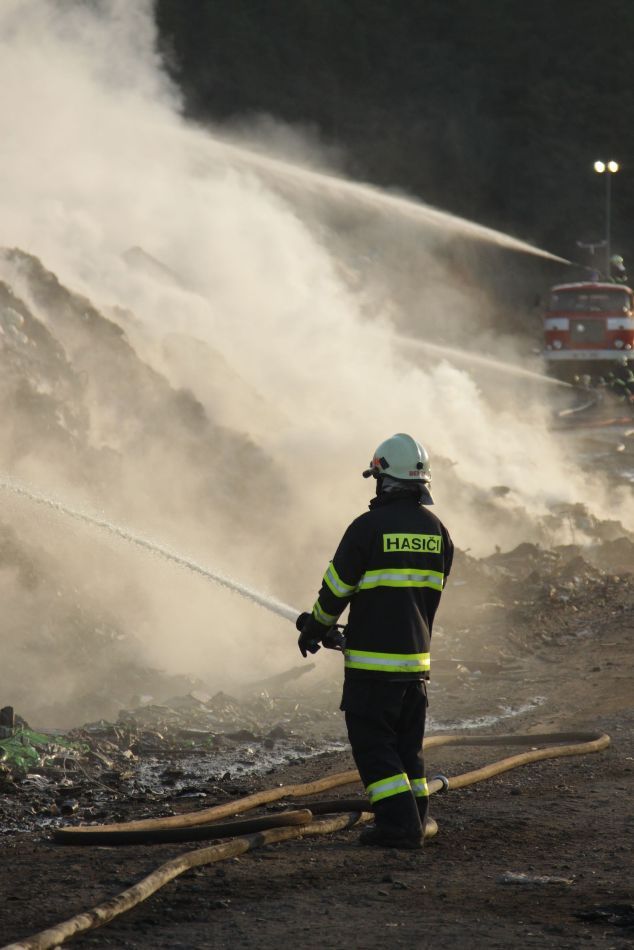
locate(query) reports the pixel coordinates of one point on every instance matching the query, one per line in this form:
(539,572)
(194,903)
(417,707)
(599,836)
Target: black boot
(396,824)
(383,838)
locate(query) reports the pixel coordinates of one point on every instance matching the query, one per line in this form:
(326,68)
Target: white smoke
(238,293)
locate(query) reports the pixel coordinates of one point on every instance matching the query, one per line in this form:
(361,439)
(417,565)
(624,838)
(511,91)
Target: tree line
(494,110)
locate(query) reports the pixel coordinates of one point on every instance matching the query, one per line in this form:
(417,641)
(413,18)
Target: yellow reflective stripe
(419,787)
(402,577)
(385,787)
(387,662)
(336,585)
(320,615)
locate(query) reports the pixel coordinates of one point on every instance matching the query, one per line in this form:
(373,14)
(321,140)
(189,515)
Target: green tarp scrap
(26,749)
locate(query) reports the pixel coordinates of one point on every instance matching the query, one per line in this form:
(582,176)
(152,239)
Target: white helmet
(403,458)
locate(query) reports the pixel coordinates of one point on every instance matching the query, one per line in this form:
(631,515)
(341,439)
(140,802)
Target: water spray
(475,359)
(262,600)
(369,196)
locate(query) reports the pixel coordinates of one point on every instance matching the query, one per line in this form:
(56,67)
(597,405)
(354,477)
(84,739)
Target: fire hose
(246,835)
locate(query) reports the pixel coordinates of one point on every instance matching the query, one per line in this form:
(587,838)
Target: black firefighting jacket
(390,566)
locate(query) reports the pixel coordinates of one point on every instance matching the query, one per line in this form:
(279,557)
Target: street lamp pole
(608,169)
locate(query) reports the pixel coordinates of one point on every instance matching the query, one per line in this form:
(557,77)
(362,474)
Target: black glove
(310,635)
(334,639)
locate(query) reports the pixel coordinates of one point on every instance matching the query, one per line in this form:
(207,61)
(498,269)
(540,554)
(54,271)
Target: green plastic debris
(26,749)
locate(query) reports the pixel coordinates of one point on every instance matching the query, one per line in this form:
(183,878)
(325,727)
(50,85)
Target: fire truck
(587,327)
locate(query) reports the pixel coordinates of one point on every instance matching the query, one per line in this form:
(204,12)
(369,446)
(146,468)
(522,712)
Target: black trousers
(386,725)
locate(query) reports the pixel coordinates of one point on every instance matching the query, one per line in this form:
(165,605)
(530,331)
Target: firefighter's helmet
(404,459)
(617,260)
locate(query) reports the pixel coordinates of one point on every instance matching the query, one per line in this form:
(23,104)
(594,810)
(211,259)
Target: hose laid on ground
(577,743)
(102,834)
(126,900)
(594,424)
(228,829)
(206,815)
(592,401)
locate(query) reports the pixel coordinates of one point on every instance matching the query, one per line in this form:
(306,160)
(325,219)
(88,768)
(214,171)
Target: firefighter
(390,567)
(582,382)
(618,274)
(608,381)
(623,379)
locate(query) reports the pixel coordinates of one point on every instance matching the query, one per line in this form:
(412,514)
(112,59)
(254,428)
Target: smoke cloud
(223,350)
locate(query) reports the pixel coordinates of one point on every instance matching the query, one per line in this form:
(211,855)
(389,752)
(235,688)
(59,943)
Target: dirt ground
(568,821)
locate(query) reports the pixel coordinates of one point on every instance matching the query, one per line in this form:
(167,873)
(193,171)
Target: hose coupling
(444,781)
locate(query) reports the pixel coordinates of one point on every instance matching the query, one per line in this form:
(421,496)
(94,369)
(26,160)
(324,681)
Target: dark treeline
(495,110)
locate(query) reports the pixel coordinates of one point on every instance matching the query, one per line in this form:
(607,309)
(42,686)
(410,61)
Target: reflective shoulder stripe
(320,614)
(385,787)
(387,662)
(402,577)
(336,585)
(419,787)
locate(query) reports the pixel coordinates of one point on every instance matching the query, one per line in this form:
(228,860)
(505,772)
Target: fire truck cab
(587,327)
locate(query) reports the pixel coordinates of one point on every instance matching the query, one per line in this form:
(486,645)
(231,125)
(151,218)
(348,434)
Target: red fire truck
(587,327)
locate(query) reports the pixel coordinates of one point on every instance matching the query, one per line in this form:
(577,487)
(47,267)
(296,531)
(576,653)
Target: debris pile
(511,607)
(158,754)
(87,415)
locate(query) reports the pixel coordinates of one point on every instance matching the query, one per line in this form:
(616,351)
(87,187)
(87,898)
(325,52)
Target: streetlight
(608,169)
